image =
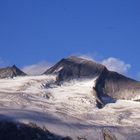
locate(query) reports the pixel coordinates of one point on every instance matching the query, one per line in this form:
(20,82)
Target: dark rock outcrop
(75,67)
(107,135)
(10,72)
(109,86)
(20,131)
(116,86)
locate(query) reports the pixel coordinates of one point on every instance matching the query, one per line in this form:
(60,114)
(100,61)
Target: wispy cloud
(113,64)
(36,69)
(88,57)
(3,63)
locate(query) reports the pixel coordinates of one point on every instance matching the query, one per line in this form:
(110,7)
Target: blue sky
(32,31)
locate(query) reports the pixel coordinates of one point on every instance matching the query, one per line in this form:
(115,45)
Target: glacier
(67,110)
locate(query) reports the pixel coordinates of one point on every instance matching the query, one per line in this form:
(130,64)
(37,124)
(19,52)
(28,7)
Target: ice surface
(69,109)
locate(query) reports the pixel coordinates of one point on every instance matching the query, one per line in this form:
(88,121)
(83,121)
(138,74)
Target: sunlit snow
(69,109)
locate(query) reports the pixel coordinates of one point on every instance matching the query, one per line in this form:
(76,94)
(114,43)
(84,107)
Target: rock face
(10,72)
(117,86)
(109,86)
(74,67)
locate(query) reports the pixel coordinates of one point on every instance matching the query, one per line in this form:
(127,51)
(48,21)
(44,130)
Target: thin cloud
(3,63)
(113,64)
(87,57)
(90,56)
(36,69)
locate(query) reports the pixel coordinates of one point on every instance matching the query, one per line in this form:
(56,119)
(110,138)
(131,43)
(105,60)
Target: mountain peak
(75,67)
(14,66)
(10,72)
(108,83)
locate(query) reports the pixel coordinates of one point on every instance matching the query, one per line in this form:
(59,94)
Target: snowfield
(67,110)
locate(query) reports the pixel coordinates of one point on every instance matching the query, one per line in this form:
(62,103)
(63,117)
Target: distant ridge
(108,83)
(10,72)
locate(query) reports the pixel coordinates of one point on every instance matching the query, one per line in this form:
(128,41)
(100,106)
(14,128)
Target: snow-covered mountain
(108,84)
(68,107)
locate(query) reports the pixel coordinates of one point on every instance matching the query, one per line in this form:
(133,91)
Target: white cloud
(115,64)
(36,69)
(88,57)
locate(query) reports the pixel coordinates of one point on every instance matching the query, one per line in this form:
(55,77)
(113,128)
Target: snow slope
(67,110)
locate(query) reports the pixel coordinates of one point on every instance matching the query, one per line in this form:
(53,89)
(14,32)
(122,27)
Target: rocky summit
(75,67)
(10,72)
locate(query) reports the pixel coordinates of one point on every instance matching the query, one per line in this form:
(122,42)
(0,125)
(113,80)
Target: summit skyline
(35,32)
